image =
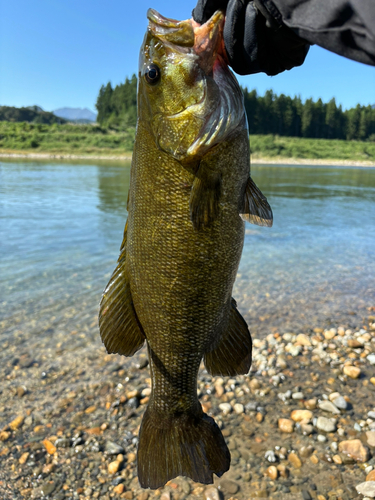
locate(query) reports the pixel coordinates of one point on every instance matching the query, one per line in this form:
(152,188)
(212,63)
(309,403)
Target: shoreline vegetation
(69,141)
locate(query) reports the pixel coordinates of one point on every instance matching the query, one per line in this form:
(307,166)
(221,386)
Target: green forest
(31,114)
(269,114)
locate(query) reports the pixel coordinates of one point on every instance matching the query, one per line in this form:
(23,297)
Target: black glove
(255,40)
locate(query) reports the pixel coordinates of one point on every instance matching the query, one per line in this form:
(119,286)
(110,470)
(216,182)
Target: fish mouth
(205,40)
(177,33)
(220,106)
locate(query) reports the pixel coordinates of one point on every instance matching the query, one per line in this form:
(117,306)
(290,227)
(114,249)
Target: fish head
(187,96)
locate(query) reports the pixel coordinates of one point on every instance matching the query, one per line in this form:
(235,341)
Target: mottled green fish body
(190,181)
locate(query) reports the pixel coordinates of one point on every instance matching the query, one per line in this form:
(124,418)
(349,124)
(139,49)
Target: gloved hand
(255,40)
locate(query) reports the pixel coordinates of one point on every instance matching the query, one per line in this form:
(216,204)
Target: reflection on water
(62,225)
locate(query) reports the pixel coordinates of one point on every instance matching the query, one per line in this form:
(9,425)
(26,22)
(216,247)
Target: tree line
(269,114)
(32,114)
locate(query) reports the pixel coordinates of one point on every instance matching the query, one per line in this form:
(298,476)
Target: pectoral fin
(232,356)
(256,207)
(119,327)
(205,195)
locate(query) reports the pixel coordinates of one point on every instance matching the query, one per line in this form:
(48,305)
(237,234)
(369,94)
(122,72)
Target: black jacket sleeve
(274,35)
(346,27)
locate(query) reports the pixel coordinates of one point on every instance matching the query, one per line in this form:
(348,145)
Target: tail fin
(185,445)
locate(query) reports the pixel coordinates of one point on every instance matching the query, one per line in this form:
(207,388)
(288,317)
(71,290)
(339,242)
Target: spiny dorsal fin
(119,327)
(256,207)
(232,356)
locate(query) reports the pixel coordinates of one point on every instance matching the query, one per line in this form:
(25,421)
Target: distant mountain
(33,114)
(76,114)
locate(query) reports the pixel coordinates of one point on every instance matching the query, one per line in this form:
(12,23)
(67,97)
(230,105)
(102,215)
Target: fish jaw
(197,102)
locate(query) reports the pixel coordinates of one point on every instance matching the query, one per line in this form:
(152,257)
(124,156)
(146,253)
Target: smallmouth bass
(172,287)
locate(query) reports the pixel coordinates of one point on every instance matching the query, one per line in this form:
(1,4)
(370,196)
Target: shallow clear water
(61,226)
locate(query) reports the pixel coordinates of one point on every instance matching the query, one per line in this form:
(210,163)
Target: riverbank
(128,156)
(70,141)
(301,426)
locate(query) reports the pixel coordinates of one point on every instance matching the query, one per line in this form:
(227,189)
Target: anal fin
(256,207)
(232,356)
(119,327)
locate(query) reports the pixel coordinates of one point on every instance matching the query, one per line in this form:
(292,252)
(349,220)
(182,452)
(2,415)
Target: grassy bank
(270,146)
(92,140)
(64,139)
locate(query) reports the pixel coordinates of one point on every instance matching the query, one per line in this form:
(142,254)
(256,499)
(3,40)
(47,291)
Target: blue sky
(57,53)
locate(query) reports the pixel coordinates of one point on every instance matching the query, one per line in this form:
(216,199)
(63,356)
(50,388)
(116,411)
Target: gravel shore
(300,426)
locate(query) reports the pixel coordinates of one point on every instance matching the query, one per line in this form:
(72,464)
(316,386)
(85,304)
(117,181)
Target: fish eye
(152,74)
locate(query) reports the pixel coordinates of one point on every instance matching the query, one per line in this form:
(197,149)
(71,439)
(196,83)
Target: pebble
(370,435)
(294,459)
(270,456)
(272,472)
(48,488)
(371,476)
(328,406)
(310,404)
(238,408)
(306,451)
(367,488)
(326,424)
(254,384)
(16,423)
(286,425)
(340,403)
(303,339)
(51,448)
(330,334)
(119,489)
(113,467)
(337,459)
(211,493)
(352,371)
(113,448)
(23,457)
(371,359)
(229,487)
(4,435)
(355,449)
(225,408)
(301,415)
(283,470)
(298,395)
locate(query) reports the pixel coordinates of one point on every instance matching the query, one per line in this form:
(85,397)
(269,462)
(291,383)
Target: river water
(61,226)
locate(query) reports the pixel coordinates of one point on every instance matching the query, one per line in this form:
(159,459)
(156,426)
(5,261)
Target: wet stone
(112,448)
(133,403)
(329,407)
(326,424)
(211,493)
(340,403)
(48,488)
(62,442)
(228,486)
(355,449)
(367,489)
